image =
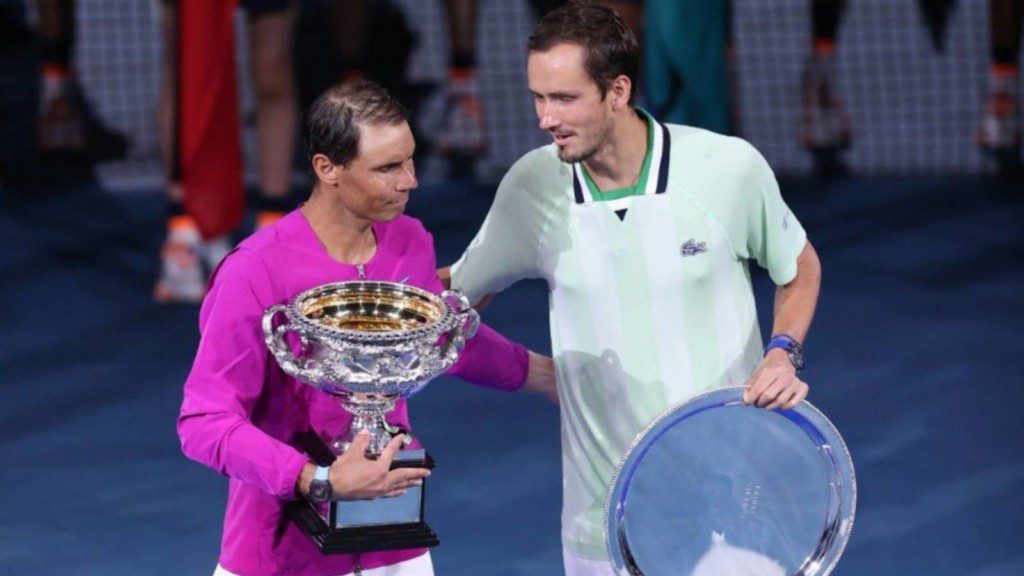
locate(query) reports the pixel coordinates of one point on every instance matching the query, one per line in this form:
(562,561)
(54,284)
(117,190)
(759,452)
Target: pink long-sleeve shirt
(242,416)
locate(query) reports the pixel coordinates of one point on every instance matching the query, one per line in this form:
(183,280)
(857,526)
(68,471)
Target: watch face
(320,491)
(796,356)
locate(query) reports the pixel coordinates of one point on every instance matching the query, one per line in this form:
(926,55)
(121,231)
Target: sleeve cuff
(786,271)
(290,474)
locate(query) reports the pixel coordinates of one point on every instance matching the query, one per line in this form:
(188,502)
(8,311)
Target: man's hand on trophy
(356,477)
(775,384)
(540,377)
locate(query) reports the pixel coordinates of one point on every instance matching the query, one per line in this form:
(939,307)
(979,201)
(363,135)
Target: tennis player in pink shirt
(242,416)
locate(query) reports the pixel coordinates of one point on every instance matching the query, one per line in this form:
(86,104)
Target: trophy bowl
(370,337)
(369,343)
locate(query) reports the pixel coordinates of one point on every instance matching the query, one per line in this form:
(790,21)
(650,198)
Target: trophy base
(346,527)
(360,539)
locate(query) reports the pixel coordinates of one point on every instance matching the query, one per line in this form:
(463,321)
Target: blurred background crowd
(924,82)
(141,139)
(819,86)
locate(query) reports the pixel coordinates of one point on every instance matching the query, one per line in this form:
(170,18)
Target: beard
(599,142)
(570,158)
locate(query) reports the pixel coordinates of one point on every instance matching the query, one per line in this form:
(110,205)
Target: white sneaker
(214,251)
(181,275)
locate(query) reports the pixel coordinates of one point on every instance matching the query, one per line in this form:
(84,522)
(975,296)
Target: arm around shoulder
(506,247)
(540,377)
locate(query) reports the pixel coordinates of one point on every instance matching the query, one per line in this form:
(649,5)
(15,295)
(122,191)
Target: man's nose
(548,120)
(408,180)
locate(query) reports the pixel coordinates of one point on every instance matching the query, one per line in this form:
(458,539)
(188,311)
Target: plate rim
(844,453)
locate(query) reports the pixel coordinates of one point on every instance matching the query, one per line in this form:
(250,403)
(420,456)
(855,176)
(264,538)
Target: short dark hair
(332,123)
(610,48)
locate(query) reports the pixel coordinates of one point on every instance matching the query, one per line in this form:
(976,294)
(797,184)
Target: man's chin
(571,156)
(389,215)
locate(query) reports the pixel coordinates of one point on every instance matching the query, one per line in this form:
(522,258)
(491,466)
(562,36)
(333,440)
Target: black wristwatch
(793,349)
(320,488)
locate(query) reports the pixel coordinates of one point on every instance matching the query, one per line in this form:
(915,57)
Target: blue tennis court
(915,355)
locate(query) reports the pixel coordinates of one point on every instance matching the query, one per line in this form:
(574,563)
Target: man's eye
(566,99)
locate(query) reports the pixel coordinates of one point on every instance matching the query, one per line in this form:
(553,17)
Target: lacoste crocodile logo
(692,247)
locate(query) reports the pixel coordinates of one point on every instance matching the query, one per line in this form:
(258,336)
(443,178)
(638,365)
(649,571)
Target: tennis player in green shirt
(644,233)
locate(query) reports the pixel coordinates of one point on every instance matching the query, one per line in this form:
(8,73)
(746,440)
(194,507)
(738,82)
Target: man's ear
(620,90)
(326,171)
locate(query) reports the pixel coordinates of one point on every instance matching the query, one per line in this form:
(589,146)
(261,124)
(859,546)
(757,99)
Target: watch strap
(320,489)
(322,473)
(784,341)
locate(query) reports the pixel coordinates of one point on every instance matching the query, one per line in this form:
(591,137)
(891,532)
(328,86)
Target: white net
(912,109)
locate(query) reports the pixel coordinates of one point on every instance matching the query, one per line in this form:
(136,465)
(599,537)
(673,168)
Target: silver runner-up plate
(714,487)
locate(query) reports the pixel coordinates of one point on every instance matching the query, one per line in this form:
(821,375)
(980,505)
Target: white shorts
(418,566)
(576,566)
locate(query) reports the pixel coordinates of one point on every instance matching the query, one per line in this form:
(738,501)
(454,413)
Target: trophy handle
(274,338)
(467,324)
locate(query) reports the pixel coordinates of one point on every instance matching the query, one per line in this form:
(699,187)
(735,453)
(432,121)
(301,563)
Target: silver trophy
(368,344)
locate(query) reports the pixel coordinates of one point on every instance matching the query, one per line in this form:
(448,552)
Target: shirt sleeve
(492,361)
(768,231)
(489,359)
(228,377)
(505,249)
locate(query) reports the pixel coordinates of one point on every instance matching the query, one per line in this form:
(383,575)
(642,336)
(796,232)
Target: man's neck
(346,237)
(618,163)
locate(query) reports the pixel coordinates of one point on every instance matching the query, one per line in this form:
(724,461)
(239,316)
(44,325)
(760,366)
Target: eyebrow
(556,94)
(387,164)
(392,163)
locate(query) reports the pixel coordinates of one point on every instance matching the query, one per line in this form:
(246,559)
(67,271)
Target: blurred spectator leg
(825,123)
(66,125)
(464,132)
(351,21)
(936,14)
(1000,133)
(200,144)
(60,124)
(686,80)
(272,33)
(181,277)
